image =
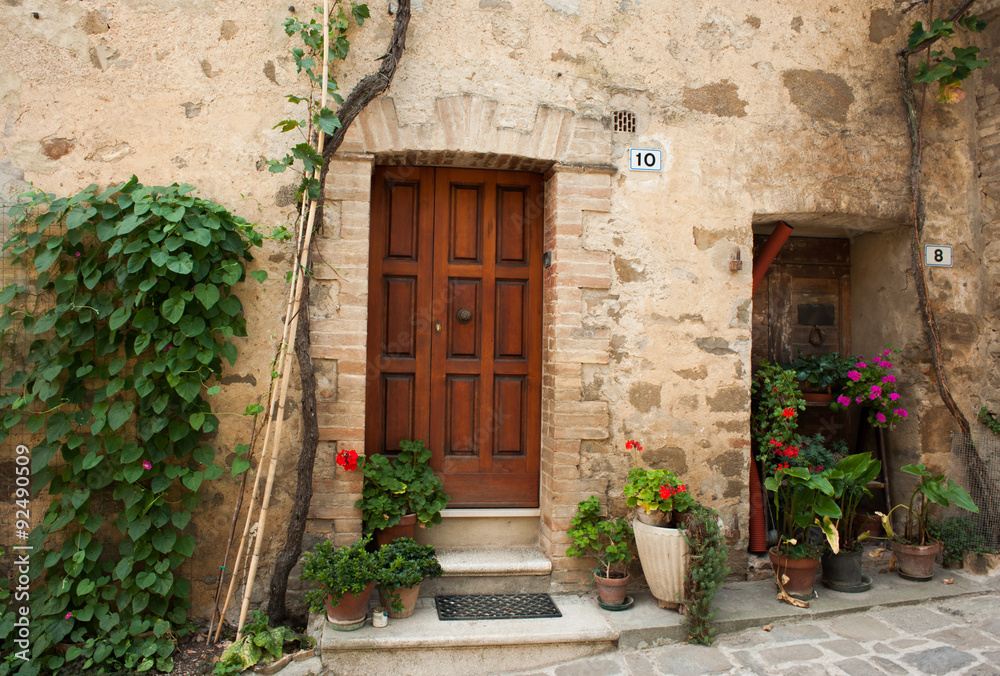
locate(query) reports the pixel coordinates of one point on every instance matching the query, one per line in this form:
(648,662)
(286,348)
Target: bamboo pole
(282,356)
(286,372)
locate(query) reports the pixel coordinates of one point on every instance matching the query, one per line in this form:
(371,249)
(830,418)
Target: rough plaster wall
(758,108)
(988,141)
(183,91)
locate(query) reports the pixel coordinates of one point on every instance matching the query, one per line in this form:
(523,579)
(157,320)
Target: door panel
(455,298)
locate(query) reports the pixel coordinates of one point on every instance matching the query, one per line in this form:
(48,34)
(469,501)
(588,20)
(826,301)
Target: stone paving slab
(943,635)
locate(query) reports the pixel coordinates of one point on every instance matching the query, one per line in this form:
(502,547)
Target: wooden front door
(454,327)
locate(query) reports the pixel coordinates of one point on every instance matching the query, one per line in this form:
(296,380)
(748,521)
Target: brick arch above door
(465,131)
(573,153)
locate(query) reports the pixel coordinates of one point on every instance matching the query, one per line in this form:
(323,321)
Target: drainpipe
(770,251)
(758,529)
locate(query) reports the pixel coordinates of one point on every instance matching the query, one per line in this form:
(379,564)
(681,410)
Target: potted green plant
(821,376)
(397,494)
(404,566)
(660,499)
(803,499)
(343,580)
(609,540)
(958,536)
(705,574)
(658,496)
(914,548)
(842,565)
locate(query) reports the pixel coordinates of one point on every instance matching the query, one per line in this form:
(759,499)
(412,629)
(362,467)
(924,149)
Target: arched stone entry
(573,152)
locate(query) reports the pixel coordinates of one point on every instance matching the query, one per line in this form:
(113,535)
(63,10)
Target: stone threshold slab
(470,562)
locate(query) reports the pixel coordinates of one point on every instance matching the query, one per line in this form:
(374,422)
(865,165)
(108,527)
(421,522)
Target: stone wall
(762,112)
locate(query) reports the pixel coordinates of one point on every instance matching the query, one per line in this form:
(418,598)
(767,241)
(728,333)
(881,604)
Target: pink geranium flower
(844,401)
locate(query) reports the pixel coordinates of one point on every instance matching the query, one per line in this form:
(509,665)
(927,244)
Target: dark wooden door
(454,346)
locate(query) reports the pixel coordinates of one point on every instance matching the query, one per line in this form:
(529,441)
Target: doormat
(495,607)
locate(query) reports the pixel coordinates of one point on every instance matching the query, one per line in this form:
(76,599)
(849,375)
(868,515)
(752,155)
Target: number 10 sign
(644,159)
(937,255)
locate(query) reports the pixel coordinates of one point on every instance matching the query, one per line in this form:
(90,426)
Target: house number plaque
(645,159)
(937,255)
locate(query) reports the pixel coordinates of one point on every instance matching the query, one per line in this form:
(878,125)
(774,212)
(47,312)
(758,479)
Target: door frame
(417,259)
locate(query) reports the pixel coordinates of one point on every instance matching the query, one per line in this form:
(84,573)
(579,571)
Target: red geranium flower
(348,460)
(788,412)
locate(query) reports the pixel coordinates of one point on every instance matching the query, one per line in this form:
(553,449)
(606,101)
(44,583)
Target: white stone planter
(663,553)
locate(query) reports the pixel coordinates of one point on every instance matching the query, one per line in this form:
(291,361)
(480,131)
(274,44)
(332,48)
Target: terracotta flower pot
(818,397)
(655,518)
(611,589)
(406,528)
(915,562)
(350,609)
(801,574)
(407,596)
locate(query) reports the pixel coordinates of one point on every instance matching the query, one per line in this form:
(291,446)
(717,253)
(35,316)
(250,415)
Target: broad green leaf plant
(933,489)
(130,315)
(947,72)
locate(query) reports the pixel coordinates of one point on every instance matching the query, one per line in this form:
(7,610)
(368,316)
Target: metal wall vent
(623,120)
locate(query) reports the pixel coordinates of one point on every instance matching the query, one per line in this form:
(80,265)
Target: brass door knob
(464,316)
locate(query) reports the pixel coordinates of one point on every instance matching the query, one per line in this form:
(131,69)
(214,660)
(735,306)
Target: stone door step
(507,570)
(422,644)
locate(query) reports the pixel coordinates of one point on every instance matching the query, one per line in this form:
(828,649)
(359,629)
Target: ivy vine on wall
(130,317)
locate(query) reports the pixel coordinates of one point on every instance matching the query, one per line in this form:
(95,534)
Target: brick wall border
(575,155)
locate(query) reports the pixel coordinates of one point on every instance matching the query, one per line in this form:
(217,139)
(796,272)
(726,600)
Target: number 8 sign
(937,255)
(645,159)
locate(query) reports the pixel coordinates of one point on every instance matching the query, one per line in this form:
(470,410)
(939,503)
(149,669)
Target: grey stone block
(940,660)
(639,665)
(992,625)
(791,653)
(904,644)
(859,628)
(748,663)
(604,666)
(858,667)
(692,660)
(797,632)
(844,647)
(913,621)
(964,638)
(888,666)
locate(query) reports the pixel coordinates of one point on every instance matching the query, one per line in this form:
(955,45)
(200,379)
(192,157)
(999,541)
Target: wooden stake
(292,327)
(282,355)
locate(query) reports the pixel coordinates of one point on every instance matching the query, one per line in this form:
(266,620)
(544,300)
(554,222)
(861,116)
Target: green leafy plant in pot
(344,579)
(610,541)
(404,491)
(823,374)
(842,564)
(404,566)
(913,548)
(658,496)
(803,499)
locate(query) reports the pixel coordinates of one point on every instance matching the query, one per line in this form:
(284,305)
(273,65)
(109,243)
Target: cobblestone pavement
(955,636)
